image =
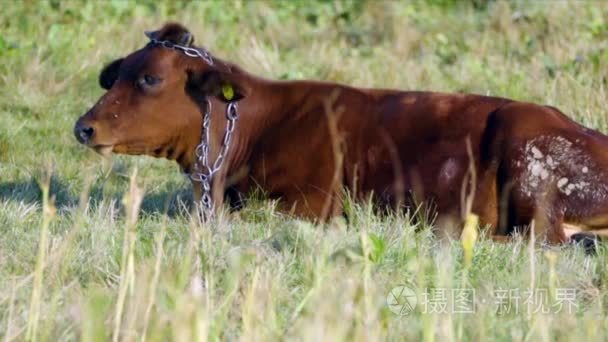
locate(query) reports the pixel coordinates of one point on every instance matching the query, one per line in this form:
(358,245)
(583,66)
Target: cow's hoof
(586,240)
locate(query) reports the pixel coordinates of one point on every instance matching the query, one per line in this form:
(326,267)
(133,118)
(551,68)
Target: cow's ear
(109,74)
(223,85)
(173,32)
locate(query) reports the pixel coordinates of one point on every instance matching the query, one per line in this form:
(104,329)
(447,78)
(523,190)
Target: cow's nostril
(83,133)
(87,132)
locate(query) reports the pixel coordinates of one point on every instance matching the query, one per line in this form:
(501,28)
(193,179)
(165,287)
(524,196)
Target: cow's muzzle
(83,132)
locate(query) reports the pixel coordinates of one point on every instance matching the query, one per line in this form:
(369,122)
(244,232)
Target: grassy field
(86,265)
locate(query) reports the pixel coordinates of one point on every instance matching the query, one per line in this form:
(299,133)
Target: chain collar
(188,51)
(204,171)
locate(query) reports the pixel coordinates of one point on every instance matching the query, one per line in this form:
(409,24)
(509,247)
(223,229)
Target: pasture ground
(82,270)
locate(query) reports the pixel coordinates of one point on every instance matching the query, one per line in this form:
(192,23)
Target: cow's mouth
(104,150)
(135,149)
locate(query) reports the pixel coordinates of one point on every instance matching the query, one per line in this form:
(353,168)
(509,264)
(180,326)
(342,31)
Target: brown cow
(304,142)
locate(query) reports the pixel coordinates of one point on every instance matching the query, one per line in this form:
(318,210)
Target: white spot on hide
(552,162)
(536,153)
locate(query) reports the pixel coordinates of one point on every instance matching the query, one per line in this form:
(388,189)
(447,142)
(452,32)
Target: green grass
(257,275)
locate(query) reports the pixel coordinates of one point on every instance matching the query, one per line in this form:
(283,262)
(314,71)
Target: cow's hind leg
(554,172)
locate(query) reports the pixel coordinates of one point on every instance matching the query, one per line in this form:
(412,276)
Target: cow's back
(417,148)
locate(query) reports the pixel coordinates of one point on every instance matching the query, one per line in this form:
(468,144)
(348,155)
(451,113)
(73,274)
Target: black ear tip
(105,84)
(109,74)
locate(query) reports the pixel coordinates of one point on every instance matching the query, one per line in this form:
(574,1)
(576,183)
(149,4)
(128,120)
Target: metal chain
(203,170)
(188,51)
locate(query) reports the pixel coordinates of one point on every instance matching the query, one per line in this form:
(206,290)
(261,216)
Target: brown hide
(305,142)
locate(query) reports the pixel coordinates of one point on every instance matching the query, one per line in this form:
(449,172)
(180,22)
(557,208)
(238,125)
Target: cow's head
(154,99)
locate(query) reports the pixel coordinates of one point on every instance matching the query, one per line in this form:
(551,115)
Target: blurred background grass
(260,275)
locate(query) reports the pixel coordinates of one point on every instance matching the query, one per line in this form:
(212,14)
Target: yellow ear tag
(227,91)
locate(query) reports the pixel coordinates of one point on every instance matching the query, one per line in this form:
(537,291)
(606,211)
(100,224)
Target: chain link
(203,170)
(188,51)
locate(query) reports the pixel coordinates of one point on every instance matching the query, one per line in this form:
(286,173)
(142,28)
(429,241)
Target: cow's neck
(261,112)
(258,112)
(261,116)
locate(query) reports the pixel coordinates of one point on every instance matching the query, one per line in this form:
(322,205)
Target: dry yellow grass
(96,272)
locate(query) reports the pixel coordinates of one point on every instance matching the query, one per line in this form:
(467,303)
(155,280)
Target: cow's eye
(147,81)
